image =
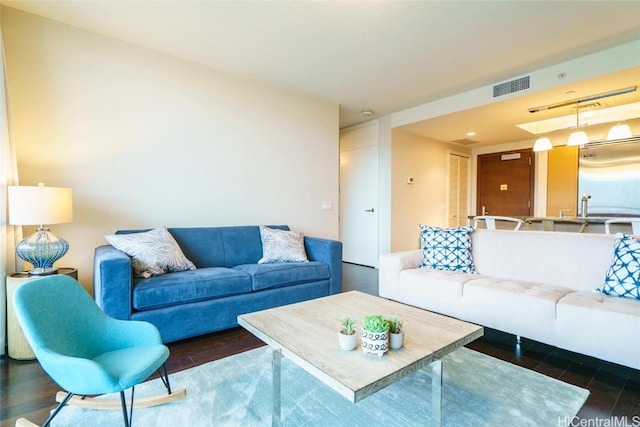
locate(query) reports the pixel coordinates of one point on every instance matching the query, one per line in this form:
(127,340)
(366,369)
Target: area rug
(478,390)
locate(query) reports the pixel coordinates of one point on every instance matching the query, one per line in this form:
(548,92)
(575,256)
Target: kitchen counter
(595,224)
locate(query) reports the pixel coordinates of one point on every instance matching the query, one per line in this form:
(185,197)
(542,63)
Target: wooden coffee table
(307,333)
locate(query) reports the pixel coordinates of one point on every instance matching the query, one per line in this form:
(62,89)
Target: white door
(359,195)
(458,190)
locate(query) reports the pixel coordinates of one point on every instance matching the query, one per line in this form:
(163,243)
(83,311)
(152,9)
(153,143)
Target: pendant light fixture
(578,137)
(619,131)
(542,144)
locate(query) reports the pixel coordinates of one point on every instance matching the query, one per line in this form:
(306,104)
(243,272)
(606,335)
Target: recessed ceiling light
(471,134)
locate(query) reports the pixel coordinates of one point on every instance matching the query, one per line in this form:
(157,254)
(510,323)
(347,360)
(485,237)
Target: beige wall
(145,139)
(424,201)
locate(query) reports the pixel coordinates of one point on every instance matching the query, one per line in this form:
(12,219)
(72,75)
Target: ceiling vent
(465,141)
(523,83)
(593,105)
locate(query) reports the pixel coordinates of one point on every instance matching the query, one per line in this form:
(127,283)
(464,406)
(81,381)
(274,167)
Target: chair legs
(58,408)
(67,398)
(164,376)
(162,371)
(127,418)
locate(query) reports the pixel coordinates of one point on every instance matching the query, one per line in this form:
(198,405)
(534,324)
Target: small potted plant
(375,334)
(396,333)
(347,334)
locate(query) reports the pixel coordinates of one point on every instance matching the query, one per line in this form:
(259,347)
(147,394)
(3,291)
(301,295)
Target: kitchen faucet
(584,206)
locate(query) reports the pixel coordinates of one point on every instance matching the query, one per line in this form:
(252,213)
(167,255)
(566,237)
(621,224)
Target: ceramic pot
(348,342)
(375,342)
(396,340)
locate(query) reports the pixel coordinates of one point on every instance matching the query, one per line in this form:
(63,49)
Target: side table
(19,348)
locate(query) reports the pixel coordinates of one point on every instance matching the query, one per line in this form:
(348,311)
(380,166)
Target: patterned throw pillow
(623,277)
(152,253)
(281,246)
(447,248)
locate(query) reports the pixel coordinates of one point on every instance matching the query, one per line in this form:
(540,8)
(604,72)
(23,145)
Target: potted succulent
(347,334)
(375,334)
(396,333)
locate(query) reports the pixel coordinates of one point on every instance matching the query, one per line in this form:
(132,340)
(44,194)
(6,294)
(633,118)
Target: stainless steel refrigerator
(610,173)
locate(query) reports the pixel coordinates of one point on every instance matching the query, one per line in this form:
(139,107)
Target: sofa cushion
(281,246)
(526,308)
(276,275)
(544,257)
(188,286)
(447,248)
(623,277)
(152,253)
(599,325)
(434,290)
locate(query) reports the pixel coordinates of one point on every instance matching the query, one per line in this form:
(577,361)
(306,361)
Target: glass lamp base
(42,271)
(41,250)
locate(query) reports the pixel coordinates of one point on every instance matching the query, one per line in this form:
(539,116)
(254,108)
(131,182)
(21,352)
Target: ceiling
(385,56)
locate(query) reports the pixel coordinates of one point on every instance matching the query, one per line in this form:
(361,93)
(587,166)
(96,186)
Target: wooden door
(562,181)
(505,183)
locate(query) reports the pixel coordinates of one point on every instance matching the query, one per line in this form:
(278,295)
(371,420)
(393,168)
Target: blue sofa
(227,282)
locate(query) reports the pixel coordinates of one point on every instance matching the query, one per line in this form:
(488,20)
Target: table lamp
(40,205)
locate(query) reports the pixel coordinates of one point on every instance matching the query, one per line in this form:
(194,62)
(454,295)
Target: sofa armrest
(329,252)
(112,281)
(391,265)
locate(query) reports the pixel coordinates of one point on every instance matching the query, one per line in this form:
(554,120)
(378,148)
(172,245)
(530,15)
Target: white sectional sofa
(535,284)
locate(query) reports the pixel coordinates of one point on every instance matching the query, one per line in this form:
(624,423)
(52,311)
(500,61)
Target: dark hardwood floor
(26,391)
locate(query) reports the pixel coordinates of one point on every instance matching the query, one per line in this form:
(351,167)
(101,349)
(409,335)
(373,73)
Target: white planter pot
(375,342)
(396,340)
(348,342)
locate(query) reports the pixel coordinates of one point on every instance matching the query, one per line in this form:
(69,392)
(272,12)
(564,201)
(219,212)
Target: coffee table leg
(276,379)
(436,392)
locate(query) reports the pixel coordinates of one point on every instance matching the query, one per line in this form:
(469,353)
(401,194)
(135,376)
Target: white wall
(424,201)
(145,139)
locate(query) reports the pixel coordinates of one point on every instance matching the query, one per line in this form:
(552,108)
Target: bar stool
(490,221)
(635,224)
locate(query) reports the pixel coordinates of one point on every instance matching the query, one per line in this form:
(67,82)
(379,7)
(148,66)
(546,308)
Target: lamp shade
(542,144)
(39,205)
(578,138)
(619,131)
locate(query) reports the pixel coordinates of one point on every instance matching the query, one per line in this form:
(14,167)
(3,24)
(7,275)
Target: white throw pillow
(447,248)
(623,277)
(152,253)
(281,246)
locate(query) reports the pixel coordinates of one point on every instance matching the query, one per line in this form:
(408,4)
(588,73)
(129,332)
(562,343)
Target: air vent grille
(512,86)
(465,141)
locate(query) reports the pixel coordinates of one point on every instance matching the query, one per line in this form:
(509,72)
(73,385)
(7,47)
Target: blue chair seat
(129,366)
(82,349)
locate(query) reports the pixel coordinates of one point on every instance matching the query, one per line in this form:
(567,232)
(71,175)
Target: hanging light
(619,131)
(578,137)
(542,144)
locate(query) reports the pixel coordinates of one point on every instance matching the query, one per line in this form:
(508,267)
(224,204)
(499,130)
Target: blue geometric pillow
(447,248)
(623,277)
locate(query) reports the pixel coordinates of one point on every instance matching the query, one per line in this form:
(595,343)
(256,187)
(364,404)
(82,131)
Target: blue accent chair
(85,351)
